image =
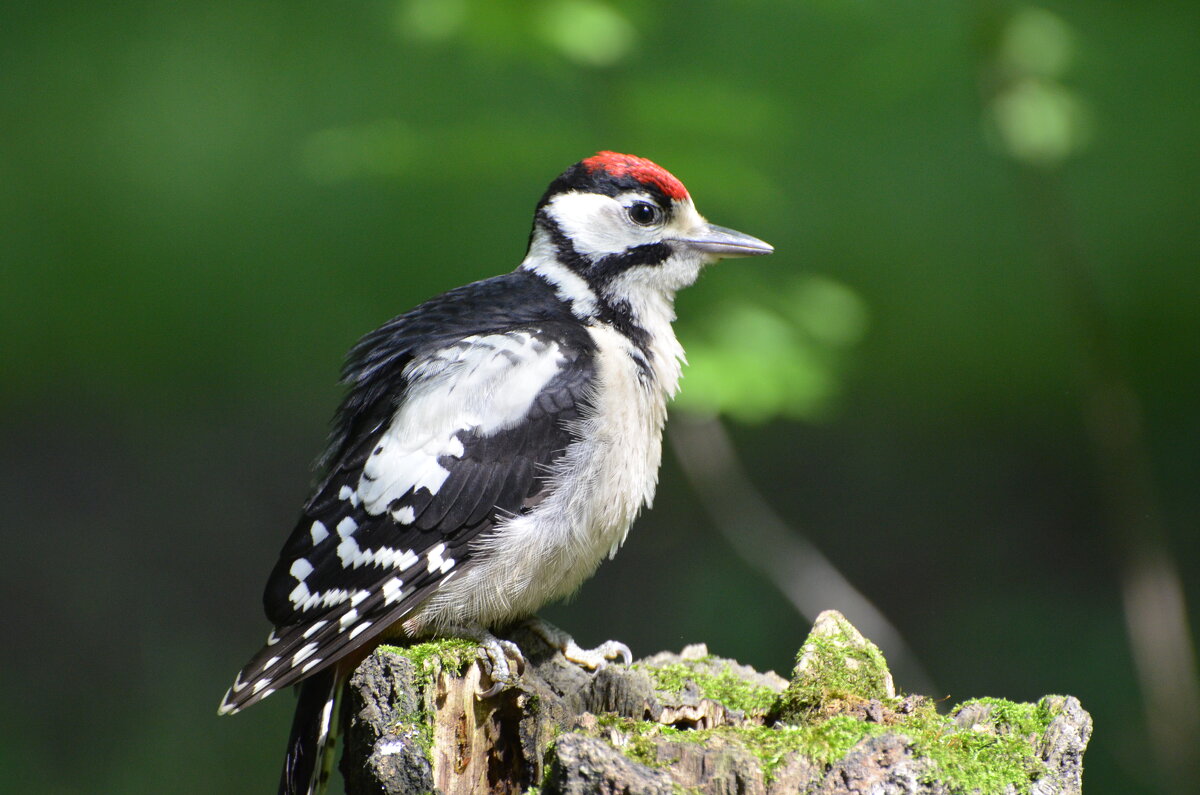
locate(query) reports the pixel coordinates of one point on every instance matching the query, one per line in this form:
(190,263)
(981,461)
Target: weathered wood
(695,723)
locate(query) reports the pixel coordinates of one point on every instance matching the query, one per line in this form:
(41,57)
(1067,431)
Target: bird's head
(625,228)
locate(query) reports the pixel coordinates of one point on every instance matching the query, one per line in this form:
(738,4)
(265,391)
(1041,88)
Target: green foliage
(780,356)
(204,204)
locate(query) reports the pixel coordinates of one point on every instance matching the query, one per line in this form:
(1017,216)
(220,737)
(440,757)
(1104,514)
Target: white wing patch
(484,384)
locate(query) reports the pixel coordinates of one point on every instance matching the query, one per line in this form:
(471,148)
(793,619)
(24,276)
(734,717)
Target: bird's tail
(309,760)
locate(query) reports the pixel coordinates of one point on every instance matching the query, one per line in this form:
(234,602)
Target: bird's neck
(643,315)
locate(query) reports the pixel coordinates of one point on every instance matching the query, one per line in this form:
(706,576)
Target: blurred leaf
(1036,41)
(778,357)
(1032,115)
(586,31)
(1040,121)
(432,20)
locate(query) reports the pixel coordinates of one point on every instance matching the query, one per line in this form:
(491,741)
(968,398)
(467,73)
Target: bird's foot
(500,660)
(592,659)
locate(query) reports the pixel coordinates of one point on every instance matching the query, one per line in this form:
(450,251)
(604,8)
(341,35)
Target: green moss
(836,665)
(725,686)
(999,754)
(444,654)
(825,741)
(450,654)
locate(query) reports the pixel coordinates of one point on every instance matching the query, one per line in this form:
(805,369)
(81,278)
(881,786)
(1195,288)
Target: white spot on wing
(346,527)
(404,515)
(319,532)
(437,562)
(304,600)
(314,629)
(299,596)
(358,598)
(359,629)
(348,618)
(303,654)
(260,685)
(484,384)
(393,590)
(301,568)
(269,663)
(349,494)
(308,666)
(353,556)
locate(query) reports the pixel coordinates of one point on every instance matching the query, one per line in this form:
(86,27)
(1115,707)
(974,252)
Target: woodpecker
(493,446)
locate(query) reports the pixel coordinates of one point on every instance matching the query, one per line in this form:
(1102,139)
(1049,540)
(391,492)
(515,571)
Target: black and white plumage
(494,445)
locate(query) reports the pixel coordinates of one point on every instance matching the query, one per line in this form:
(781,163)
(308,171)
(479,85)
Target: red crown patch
(641,169)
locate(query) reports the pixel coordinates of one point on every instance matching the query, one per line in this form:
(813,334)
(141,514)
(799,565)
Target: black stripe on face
(599,272)
(610,266)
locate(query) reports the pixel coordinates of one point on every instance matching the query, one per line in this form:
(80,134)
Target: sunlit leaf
(587,31)
(1036,41)
(780,356)
(432,20)
(1040,121)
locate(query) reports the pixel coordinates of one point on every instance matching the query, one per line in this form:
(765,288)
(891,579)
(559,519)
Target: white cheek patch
(484,384)
(594,223)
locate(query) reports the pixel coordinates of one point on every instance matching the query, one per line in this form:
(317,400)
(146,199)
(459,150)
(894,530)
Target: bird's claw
(596,659)
(592,659)
(494,657)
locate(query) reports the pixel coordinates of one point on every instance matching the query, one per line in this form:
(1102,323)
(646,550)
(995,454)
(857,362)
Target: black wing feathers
(345,575)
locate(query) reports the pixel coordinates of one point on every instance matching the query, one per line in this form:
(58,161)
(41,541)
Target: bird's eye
(644,213)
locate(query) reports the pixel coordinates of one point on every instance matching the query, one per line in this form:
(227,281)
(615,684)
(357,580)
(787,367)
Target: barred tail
(309,760)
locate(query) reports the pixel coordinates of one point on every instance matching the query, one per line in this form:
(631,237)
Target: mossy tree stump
(693,723)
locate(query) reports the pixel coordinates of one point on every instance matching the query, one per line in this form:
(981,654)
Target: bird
(493,446)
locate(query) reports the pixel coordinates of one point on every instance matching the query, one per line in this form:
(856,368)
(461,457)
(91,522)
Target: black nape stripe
(614,312)
(563,246)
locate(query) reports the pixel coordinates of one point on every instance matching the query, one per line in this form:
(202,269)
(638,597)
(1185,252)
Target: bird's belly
(605,477)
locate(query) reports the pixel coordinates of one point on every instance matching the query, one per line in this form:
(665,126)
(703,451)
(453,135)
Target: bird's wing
(478,423)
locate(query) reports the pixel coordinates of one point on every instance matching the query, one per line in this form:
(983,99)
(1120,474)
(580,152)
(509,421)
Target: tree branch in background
(789,561)
(1039,122)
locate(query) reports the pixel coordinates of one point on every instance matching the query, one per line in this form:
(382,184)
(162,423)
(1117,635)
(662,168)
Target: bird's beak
(721,242)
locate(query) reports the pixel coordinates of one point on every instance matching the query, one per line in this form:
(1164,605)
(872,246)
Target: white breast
(600,484)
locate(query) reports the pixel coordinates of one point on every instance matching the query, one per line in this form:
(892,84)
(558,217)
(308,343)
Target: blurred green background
(968,375)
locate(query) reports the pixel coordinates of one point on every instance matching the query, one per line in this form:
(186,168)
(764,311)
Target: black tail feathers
(309,759)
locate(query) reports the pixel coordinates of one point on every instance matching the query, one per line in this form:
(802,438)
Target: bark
(694,723)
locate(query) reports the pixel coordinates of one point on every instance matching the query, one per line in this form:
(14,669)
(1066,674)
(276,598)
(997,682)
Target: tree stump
(692,722)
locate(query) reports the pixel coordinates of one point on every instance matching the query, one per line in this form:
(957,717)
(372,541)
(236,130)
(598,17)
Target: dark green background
(203,204)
